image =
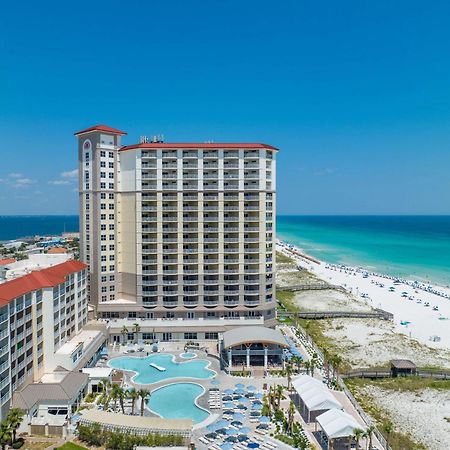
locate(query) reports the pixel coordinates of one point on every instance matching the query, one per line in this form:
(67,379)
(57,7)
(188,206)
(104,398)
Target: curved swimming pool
(159,367)
(178,401)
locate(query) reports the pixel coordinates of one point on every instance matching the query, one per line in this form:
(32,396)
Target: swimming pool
(146,374)
(178,401)
(188,355)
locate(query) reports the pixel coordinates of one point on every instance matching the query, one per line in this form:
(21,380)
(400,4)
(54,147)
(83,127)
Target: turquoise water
(417,247)
(188,355)
(177,401)
(145,374)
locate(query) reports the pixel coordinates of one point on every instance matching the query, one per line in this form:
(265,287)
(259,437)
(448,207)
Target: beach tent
(304,382)
(337,428)
(316,401)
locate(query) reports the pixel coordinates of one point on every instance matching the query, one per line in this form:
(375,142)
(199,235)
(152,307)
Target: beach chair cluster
(215,399)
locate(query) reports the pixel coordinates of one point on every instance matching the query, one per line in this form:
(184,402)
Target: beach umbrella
(255,413)
(231,432)
(227,398)
(236,423)
(229,405)
(238,416)
(226,446)
(264,419)
(257,407)
(211,435)
(222,423)
(245,430)
(231,439)
(253,445)
(213,427)
(228,391)
(241,406)
(239,385)
(259,395)
(251,388)
(243,400)
(242,437)
(216,382)
(221,431)
(239,391)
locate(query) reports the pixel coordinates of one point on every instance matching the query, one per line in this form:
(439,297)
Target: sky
(355,94)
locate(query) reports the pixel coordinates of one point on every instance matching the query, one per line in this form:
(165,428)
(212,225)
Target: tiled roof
(4,262)
(104,128)
(194,145)
(49,277)
(57,250)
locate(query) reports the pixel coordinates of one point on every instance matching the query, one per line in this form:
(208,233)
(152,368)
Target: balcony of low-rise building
(231,154)
(231,301)
(150,302)
(251,154)
(149,165)
(207,154)
(169,165)
(169,154)
(208,165)
(148,154)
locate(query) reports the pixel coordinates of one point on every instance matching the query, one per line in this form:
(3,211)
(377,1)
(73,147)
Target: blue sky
(356,94)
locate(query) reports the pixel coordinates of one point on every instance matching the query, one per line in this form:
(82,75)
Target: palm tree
(124,333)
(388,428)
(143,393)
(104,384)
(122,394)
(326,357)
(115,394)
(279,394)
(369,432)
(289,375)
(5,434)
(15,418)
(136,329)
(307,366)
(358,433)
(134,395)
(291,412)
(337,361)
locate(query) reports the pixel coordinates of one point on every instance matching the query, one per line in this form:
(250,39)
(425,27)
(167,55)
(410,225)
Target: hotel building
(42,315)
(177,231)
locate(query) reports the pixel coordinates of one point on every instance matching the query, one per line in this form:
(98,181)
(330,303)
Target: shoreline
(421,310)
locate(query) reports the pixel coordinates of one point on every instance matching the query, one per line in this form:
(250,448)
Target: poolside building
(43,326)
(177,232)
(252,346)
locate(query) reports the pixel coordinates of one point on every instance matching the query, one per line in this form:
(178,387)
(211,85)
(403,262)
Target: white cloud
(70,174)
(326,171)
(15,175)
(22,182)
(58,182)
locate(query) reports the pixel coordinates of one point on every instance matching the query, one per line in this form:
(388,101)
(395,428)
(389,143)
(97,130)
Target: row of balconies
(207,154)
(196,270)
(191,303)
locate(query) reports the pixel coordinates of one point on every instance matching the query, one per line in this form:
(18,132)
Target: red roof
(49,277)
(104,128)
(4,262)
(56,250)
(215,145)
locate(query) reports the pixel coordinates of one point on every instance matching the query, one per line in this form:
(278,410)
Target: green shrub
(18,443)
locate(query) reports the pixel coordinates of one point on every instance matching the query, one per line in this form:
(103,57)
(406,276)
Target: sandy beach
(419,314)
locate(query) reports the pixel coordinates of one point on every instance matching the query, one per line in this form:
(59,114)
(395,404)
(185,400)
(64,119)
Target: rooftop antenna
(143,140)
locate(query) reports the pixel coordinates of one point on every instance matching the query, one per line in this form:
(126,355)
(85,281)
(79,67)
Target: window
(102,205)
(130,336)
(111,226)
(103,195)
(86,196)
(111,185)
(103,153)
(111,175)
(111,237)
(103,248)
(87,216)
(111,165)
(104,289)
(112,297)
(111,247)
(132,315)
(111,154)
(103,278)
(102,164)
(111,278)
(104,298)
(103,227)
(102,185)
(111,217)
(148,336)
(103,258)
(111,257)
(111,206)
(111,196)
(111,268)
(86,156)
(111,288)
(103,237)
(102,174)
(190,336)
(103,268)
(211,335)
(102,216)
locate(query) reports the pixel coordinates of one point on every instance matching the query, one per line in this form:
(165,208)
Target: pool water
(145,374)
(177,401)
(188,355)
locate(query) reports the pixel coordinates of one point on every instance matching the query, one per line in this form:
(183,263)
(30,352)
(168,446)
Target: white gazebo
(338,428)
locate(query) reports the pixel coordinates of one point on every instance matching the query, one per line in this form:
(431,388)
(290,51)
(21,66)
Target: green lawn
(71,446)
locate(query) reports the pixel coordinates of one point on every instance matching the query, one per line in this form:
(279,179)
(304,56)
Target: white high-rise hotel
(180,231)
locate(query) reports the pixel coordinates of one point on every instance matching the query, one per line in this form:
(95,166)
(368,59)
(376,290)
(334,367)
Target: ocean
(416,247)
(14,227)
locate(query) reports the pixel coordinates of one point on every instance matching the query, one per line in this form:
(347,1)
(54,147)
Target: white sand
(424,322)
(420,414)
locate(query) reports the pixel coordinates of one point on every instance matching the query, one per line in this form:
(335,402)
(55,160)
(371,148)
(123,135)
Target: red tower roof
(104,128)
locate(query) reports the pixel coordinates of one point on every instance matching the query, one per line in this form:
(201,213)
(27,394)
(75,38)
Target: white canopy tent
(317,399)
(305,382)
(338,426)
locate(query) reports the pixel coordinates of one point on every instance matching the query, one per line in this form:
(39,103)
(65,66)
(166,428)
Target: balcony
(150,303)
(170,303)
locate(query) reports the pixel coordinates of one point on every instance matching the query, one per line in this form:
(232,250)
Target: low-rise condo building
(179,237)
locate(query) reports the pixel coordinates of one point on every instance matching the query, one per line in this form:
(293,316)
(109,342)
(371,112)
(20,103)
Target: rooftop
(103,128)
(56,250)
(62,389)
(85,337)
(6,261)
(403,364)
(248,335)
(196,145)
(49,277)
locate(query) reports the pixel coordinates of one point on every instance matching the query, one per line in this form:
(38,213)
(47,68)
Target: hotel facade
(42,316)
(182,232)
